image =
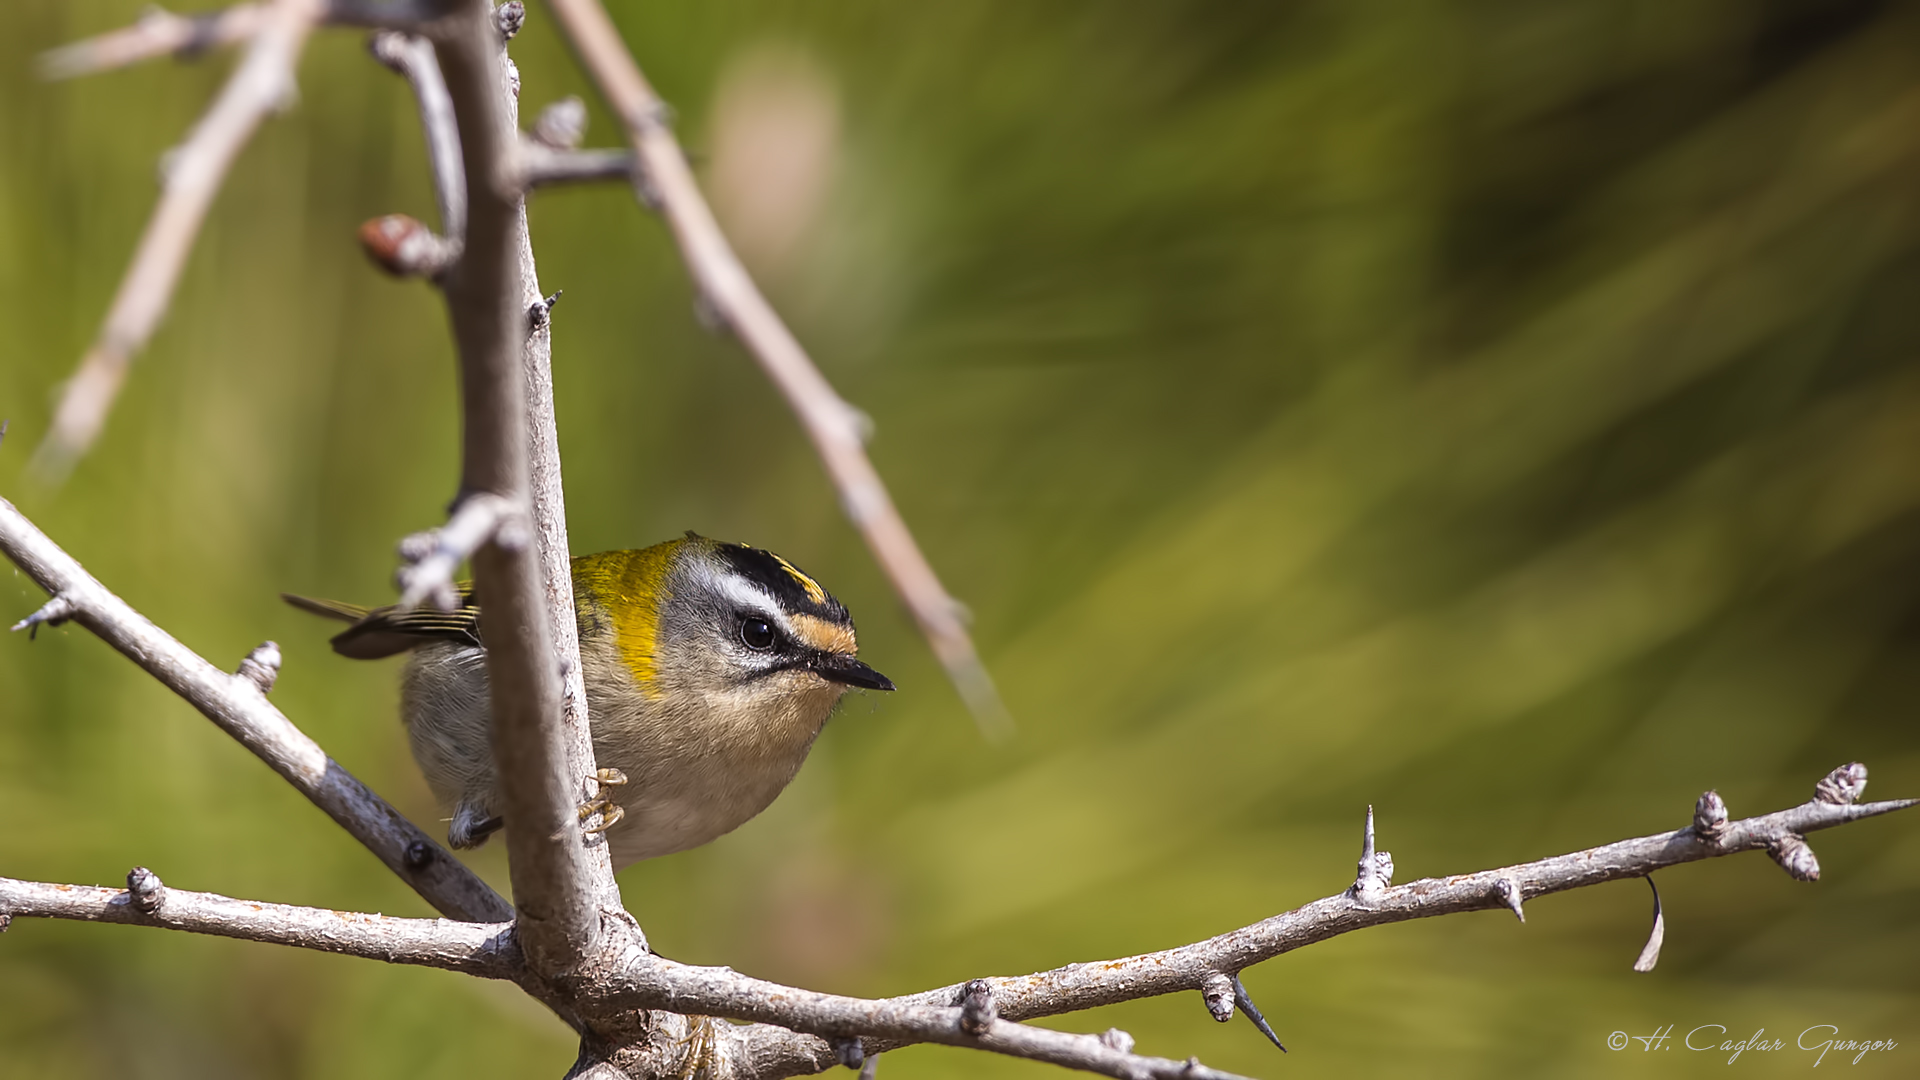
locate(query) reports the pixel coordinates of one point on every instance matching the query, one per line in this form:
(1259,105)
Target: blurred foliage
(1504,414)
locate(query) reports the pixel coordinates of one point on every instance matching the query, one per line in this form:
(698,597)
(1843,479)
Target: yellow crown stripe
(814,592)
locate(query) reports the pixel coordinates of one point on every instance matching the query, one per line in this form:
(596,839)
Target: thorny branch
(1084,986)
(985,1013)
(838,430)
(1371,901)
(572,946)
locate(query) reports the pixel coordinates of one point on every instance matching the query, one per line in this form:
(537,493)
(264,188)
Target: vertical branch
(663,180)
(262,83)
(550,509)
(560,883)
(549,494)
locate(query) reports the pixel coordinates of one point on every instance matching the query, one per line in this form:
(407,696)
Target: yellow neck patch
(628,587)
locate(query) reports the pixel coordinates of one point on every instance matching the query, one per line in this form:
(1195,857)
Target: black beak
(845,669)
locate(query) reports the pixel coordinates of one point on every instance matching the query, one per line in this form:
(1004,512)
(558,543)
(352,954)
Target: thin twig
(543,166)
(412,15)
(411,57)
(486,950)
(430,559)
(405,247)
(156,33)
(561,881)
(235,703)
(194,171)
(549,153)
(159,33)
(665,182)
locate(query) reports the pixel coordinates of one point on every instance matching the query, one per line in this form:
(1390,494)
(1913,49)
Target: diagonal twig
(1081,986)
(236,704)
(159,33)
(194,171)
(156,33)
(665,182)
(1084,986)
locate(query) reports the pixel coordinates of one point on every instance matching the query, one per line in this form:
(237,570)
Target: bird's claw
(703,1051)
(610,812)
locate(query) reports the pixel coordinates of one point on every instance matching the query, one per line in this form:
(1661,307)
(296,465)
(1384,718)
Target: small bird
(710,668)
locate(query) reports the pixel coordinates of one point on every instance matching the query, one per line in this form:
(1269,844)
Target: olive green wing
(378,632)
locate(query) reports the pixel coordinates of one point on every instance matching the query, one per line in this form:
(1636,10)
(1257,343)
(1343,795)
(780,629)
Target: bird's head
(726,624)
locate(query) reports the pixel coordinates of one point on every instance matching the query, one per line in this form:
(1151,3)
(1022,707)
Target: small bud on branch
(144,890)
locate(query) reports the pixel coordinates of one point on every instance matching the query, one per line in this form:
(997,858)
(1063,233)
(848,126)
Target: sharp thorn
(1509,894)
(1253,1011)
(1650,954)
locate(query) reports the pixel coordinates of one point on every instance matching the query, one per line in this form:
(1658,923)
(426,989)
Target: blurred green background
(1505,414)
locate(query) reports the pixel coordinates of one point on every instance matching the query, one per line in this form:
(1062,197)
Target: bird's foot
(602,803)
(702,1041)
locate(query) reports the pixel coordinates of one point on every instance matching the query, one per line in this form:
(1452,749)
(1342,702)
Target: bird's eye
(756,634)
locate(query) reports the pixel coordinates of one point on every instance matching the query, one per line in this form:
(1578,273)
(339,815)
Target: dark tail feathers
(330,609)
